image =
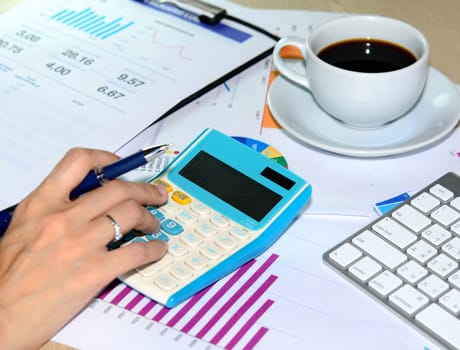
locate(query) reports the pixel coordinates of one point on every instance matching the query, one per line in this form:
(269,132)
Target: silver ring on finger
(117,234)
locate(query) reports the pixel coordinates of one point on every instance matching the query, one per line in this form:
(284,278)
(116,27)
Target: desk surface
(437,19)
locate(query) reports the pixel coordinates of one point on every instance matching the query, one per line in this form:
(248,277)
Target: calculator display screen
(230,185)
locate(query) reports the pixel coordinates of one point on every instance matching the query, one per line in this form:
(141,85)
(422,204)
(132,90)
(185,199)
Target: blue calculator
(227,204)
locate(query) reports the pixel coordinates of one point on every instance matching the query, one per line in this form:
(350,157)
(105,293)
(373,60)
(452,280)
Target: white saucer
(435,115)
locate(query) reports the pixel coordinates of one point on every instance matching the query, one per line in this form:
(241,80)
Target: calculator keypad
(198,238)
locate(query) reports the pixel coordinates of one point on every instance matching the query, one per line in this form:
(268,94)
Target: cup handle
(281,65)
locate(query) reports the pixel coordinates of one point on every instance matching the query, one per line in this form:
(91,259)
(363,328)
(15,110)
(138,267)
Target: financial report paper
(96,73)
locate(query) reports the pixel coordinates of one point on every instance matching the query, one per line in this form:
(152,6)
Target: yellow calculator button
(181,197)
(163,183)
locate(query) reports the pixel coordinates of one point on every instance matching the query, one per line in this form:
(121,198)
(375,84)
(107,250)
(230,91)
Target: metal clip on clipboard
(207,13)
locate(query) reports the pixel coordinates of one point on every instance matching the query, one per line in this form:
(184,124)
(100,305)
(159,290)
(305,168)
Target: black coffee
(367,56)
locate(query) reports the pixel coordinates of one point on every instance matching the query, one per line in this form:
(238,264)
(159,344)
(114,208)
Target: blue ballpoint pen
(97,177)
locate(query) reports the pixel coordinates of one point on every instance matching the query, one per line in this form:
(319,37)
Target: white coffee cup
(359,99)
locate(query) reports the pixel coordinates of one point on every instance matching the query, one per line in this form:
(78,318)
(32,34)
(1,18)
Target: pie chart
(263,148)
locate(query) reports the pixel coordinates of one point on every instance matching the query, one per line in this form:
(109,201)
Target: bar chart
(225,314)
(91,22)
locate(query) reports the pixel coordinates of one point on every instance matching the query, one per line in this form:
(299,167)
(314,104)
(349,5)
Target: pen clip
(207,13)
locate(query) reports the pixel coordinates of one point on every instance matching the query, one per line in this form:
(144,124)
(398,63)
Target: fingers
(128,216)
(73,167)
(102,200)
(121,260)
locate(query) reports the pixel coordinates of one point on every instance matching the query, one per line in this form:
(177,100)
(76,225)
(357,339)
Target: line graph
(179,49)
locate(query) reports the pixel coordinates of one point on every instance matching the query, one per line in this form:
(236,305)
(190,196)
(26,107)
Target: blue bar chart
(91,22)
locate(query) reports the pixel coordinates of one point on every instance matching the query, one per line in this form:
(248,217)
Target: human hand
(53,257)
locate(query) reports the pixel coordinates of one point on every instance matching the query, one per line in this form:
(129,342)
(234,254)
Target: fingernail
(162,190)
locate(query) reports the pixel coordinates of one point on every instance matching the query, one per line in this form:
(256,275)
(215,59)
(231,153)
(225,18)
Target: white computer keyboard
(409,260)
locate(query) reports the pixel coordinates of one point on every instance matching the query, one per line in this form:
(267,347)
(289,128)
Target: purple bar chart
(225,314)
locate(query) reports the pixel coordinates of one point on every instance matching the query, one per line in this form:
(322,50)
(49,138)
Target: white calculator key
(412,272)
(411,218)
(394,232)
(199,208)
(345,255)
(365,268)
(422,251)
(452,248)
(379,249)
(455,279)
(225,241)
(385,283)
(239,233)
(433,286)
(456,203)
(436,235)
(441,192)
(442,265)
(444,324)
(408,299)
(425,202)
(451,300)
(445,215)
(149,270)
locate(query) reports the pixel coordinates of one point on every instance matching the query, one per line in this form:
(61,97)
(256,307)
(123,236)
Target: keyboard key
(408,299)
(394,232)
(385,283)
(411,218)
(436,234)
(442,323)
(379,249)
(345,255)
(452,248)
(442,265)
(445,215)
(425,202)
(433,286)
(412,272)
(451,300)
(455,279)
(365,268)
(422,251)
(441,192)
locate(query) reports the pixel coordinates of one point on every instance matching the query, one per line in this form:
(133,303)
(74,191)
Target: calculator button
(165,281)
(206,229)
(199,208)
(181,197)
(171,227)
(186,216)
(163,183)
(196,261)
(219,220)
(177,248)
(181,272)
(170,208)
(150,269)
(156,212)
(191,239)
(239,233)
(225,241)
(211,251)
(160,236)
